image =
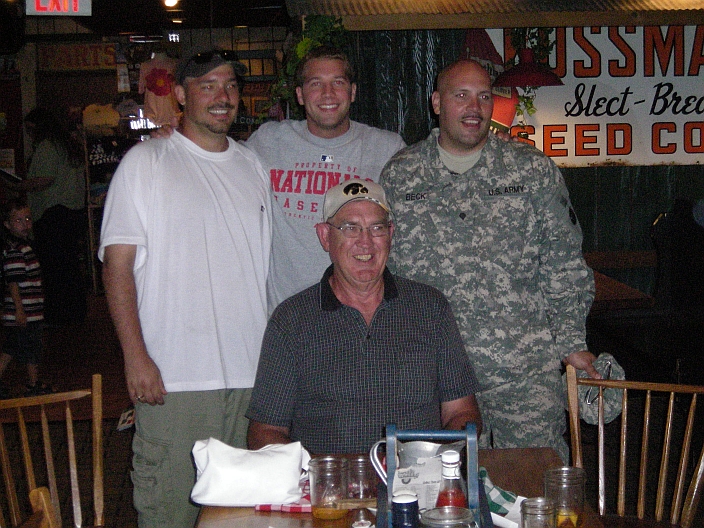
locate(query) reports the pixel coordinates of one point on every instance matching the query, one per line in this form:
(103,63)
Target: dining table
(517,470)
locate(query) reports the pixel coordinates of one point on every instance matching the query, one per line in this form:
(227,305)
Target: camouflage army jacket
(503,243)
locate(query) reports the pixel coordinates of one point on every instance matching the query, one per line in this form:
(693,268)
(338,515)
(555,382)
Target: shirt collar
(330,303)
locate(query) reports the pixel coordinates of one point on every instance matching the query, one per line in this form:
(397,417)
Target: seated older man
(362,348)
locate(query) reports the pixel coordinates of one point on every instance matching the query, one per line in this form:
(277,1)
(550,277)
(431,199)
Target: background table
(615,295)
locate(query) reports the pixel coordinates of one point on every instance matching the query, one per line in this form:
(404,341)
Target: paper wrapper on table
(419,469)
(512,518)
(228,476)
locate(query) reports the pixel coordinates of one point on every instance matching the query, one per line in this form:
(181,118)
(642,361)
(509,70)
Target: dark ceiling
(111,17)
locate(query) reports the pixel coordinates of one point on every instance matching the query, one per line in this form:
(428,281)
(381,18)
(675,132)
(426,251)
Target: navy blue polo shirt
(336,382)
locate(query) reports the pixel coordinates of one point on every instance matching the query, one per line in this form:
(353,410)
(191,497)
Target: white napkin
(513,518)
(228,476)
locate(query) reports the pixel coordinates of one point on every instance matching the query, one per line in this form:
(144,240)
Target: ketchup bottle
(451,493)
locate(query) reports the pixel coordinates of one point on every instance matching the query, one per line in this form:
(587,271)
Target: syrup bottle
(451,493)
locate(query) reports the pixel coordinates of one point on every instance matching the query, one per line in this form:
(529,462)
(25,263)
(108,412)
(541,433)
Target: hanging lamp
(527,73)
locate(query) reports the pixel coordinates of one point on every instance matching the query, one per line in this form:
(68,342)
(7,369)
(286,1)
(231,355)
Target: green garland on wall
(541,41)
(317,30)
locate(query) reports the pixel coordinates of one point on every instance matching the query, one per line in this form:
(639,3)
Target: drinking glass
(565,487)
(328,485)
(538,512)
(361,478)
(361,484)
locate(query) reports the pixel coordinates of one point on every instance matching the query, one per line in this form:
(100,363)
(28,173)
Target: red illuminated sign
(59,7)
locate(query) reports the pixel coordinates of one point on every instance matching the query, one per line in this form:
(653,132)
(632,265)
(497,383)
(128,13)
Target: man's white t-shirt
(201,222)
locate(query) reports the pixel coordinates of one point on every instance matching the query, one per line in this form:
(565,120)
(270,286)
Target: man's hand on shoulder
(583,360)
(164,131)
(504,136)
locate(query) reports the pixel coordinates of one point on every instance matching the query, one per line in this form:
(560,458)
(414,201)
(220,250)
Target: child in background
(23,303)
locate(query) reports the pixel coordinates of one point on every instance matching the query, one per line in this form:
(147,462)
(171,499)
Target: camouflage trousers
(527,412)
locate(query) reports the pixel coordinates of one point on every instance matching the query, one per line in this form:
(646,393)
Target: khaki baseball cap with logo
(352,191)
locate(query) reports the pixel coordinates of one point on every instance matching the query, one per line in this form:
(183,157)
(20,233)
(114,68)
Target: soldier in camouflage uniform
(498,236)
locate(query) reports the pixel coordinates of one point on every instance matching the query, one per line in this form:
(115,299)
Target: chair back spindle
(676,442)
(45,495)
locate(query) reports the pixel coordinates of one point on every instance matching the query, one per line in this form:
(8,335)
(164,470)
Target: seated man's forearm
(260,434)
(456,414)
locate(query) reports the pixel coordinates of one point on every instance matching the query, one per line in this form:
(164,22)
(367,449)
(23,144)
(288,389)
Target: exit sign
(59,7)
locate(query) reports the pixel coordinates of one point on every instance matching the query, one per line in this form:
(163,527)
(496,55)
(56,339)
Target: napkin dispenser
(476,498)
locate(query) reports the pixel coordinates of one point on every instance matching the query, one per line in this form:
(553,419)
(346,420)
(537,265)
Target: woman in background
(55,186)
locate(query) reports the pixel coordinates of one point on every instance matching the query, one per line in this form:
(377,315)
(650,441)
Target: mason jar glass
(538,512)
(328,485)
(565,487)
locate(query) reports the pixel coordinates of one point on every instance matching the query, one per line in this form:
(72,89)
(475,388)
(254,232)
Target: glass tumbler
(446,517)
(361,478)
(537,512)
(565,487)
(328,485)
(361,484)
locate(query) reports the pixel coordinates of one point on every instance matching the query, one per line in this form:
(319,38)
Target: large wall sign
(632,95)
(71,57)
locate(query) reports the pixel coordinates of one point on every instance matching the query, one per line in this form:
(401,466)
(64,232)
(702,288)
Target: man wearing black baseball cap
(185,243)
(202,62)
(329,141)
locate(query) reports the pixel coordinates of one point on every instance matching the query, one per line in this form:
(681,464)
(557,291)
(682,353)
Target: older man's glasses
(356,230)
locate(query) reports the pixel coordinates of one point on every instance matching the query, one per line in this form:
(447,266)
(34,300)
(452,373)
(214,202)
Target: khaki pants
(163,470)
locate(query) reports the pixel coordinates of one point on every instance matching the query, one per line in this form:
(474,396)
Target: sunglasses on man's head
(207,56)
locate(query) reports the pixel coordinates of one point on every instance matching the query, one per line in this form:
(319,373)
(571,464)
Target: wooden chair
(45,498)
(681,402)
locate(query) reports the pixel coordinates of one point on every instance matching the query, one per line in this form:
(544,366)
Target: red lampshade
(505,101)
(527,73)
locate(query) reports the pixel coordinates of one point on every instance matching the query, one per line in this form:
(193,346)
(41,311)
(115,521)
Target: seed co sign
(59,7)
(631,95)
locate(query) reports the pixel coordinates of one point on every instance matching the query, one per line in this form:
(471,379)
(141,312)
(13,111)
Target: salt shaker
(405,510)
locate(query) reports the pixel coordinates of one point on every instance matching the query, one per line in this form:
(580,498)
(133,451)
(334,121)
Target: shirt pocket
(501,226)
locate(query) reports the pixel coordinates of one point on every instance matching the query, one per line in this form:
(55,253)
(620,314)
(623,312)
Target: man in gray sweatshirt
(305,158)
